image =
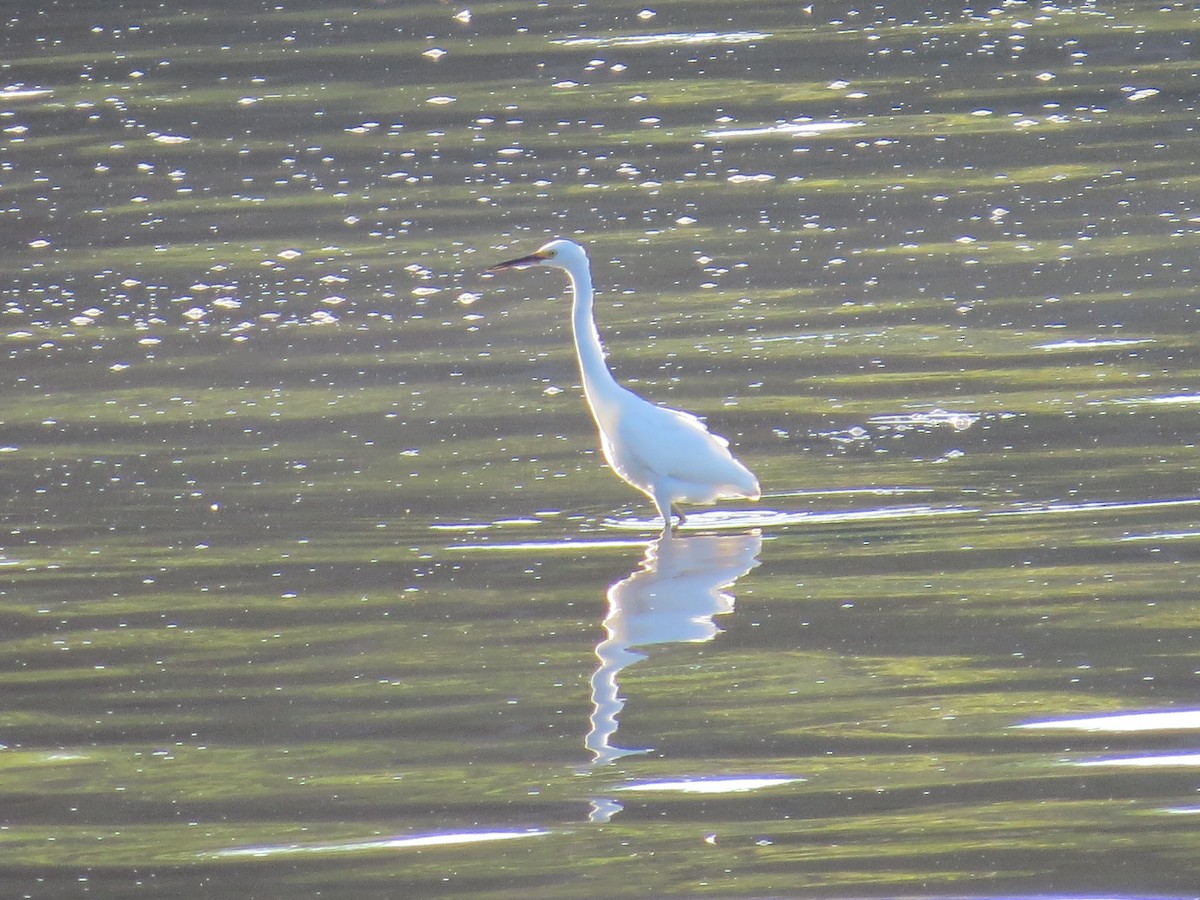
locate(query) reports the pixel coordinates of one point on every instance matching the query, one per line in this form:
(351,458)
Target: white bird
(667,454)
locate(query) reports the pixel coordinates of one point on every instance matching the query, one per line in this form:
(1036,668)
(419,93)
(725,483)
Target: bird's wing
(676,444)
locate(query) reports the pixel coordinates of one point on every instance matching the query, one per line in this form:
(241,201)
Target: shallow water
(316,584)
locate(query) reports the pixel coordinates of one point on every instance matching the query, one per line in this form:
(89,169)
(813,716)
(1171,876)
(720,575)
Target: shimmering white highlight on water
(1038,509)
(1174,720)
(959,421)
(23,93)
(1163,536)
(791,129)
(1090,344)
(671,39)
(767,518)
(392,843)
(573,546)
(726,785)
(1166,400)
(1163,761)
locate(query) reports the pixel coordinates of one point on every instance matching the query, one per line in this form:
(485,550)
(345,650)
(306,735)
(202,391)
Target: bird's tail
(747,484)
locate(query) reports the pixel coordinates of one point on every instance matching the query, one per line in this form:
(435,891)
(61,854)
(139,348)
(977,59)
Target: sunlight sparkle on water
(645,40)
(959,421)
(1169,399)
(1163,536)
(1175,720)
(799,129)
(1036,509)
(767,518)
(394,843)
(553,545)
(1091,344)
(1166,760)
(731,785)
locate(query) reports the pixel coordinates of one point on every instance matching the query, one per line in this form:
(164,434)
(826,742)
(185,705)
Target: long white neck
(598,381)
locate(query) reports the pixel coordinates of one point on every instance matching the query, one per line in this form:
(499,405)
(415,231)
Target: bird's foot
(669,512)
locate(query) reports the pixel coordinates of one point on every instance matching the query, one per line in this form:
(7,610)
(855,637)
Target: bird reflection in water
(671,598)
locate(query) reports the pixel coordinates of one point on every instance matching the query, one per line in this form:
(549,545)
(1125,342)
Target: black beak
(522,262)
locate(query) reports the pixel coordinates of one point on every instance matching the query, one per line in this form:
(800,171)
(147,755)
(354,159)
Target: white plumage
(667,454)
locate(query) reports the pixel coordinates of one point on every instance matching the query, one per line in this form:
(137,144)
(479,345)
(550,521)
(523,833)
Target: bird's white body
(667,454)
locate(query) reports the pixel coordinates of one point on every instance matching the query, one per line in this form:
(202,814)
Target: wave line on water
(1096,343)
(392,843)
(959,421)
(1042,509)
(768,518)
(1170,720)
(838,492)
(672,38)
(551,545)
(16,93)
(1167,760)
(480,526)
(1166,400)
(732,784)
(1162,536)
(796,129)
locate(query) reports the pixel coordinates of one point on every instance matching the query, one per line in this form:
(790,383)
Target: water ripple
(1173,720)
(671,39)
(767,518)
(1169,760)
(1041,509)
(1093,344)
(1166,400)
(794,129)
(733,784)
(443,839)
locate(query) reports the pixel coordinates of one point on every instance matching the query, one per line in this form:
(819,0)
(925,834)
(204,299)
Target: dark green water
(315,583)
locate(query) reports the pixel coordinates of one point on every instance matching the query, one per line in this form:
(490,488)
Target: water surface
(316,584)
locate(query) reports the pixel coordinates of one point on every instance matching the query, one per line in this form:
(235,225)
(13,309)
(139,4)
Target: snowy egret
(667,454)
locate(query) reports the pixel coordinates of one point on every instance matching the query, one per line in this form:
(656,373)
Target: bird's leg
(665,509)
(682,517)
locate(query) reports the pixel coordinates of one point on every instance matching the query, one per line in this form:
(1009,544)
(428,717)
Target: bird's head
(558,254)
